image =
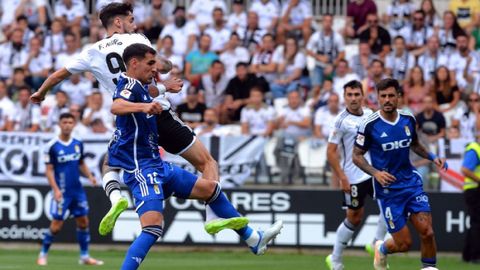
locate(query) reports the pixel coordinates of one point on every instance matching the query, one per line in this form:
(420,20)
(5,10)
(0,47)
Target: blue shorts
(151,186)
(76,206)
(398,205)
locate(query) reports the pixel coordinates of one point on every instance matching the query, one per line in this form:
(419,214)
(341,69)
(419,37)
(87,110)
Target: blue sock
(140,247)
(383,249)
(83,237)
(432,262)
(222,207)
(46,242)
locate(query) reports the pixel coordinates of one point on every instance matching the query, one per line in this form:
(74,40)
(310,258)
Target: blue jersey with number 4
(389,147)
(134,144)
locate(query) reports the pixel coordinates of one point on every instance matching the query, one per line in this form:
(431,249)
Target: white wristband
(161,89)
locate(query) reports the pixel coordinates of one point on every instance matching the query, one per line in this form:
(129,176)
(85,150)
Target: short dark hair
(66,115)
(24,87)
(217,62)
(241,64)
(138,51)
(377,61)
(353,84)
(399,37)
(387,83)
(21,17)
(112,10)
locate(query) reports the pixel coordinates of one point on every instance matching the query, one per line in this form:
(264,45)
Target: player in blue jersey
(64,163)
(389,135)
(134,149)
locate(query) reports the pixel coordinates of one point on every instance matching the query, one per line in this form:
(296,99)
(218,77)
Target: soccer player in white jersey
(355,184)
(104,60)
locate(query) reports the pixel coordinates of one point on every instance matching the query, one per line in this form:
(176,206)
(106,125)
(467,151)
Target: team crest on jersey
(407,131)
(77,149)
(156,189)
(354,202)
(125,93)
(360,139)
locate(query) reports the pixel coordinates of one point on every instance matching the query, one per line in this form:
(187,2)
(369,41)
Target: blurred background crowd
(262,67)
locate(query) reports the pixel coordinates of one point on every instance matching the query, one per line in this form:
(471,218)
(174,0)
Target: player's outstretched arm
(333,159)
(49,83)
(122,107)
(383,177)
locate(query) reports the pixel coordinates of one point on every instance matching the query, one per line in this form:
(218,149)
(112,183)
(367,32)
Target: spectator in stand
(342,76)
(80,130)
(290,62)
(295,120)
(22,23)
(296,20)
(18,81)
(27,115)
(324,119)
(257,118)
(198,62)
(176,99)
(233,55)
(475,35)
(7,109)
(77,88)
(357,13)
(201,11)
(415,89)
(446,93)
(95,110)
(399,13)
(72,50)
(377,37)
(98,127)
(210,125)
(466,121)
(268,14)
(400,60)
(238,18)
(158,14)
(417,34)
(320,98)
(466,10)
(238,92)
(327,48)
(139,12)
(167,51)
(423,165)
(449,32)
(38,63)
(375,74)
(184,33)
(432,58)
(72,14)
(191,112)
(218,31)
(361,62)
(12,54)
(34,10)
(432,19)
(252,35)
(460,59)
(213,86)
(262,61)
(61,106)
(430,121)
(54,41)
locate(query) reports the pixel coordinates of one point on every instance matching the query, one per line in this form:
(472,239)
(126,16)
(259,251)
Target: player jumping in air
(389,135)
(355,184)
(104,60)
(64,162)
(134,149)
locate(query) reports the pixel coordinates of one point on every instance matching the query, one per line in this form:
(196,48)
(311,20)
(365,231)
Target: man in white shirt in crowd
(213,85)
(184,33)
(38,63)
(417,34)
(72,51)
(73,14)
(210,126)
(77,88)
(466,121)
(157,15)
(12,54)
(251,35)
(238,17)
(26,114)
(459,59)
(61,106)
(35,10)
(342,76)
(268,14)
(95,110)
(432,58)
(257,118)
(399,61)
(324,117)
(7,109)
(218,31)
(295,119)
(201,11)
(233,55)
(296,19)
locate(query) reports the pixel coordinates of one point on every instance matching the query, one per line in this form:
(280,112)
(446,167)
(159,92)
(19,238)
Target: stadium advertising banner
(21,156)
(310,217)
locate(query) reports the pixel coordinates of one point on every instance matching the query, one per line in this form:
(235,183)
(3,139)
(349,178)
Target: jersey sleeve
(80,63)
(48,154)
(470,160)
(363,138)
(125,91)
(336,134)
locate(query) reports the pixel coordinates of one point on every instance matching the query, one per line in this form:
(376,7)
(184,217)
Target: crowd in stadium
(269,67)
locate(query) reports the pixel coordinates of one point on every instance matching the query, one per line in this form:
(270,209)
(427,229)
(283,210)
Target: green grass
(215,260)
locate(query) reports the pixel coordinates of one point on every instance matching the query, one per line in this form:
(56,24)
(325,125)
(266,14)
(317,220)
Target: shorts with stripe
(174,135)
(151,186)
(358,192)
(76,206)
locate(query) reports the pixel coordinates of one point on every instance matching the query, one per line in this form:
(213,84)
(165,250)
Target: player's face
(66,126)
(388,100)
(353,98)
(128,23)
(146,69)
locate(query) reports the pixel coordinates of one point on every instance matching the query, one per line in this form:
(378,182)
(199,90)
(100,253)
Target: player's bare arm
(49,83)
(422,151)
(122,107)
(384,178)
(86,172)
(57,193)
(333,159)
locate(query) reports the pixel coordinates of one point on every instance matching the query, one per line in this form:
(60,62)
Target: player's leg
(423,225)
(186,185)
(58,211)
(380,233)
(111,185)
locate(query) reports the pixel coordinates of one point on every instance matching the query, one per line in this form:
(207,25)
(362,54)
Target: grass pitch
(215,260)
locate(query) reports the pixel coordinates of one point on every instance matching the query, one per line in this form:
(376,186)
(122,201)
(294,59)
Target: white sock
(111,185)
(210,215)
(381,228)
(253,239)
(344,235)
